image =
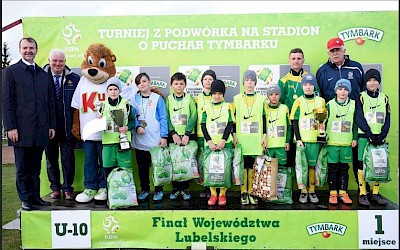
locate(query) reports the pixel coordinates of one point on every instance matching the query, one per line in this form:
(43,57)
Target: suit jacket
(64,111)
(28,104)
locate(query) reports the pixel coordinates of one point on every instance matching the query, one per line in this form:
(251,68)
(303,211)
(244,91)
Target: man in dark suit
(65,82)
(29,119)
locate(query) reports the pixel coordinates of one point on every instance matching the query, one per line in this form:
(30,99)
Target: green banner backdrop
(240,39)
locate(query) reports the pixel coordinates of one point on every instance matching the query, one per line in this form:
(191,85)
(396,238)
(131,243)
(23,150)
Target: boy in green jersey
(342,135)
(278,126)
(182,121)
(250,130)
(216,125)
(373,120)
(120,117)
(204,99)
(306,131)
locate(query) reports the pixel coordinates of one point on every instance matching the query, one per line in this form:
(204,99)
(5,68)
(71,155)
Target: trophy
(119,117)
(320,116)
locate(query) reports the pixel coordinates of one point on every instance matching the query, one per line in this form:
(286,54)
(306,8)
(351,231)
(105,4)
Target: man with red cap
(339,66)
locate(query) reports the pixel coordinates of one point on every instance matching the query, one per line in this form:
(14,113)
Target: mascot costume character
(97,68)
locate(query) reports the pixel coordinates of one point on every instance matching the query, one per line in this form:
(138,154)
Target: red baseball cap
(335,43)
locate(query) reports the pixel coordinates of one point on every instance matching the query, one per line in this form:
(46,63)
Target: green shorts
(342,154)
(112,157)
(312,150)
(280,154)
(362,143)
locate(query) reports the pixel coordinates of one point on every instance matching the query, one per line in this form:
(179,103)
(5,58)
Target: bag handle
(267,155)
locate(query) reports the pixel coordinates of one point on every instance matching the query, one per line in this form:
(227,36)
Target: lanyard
(370,104)
(177,104)
(247,105)
(308,109)
(276,116)
(144,107)
(220,111)
(343,117)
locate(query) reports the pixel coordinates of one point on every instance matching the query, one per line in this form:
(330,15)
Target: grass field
(10,203)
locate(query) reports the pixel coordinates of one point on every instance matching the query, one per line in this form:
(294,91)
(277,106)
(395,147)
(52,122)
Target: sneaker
(363,200)
(253,199)
(378,199)
(101,195)
(222,200)
(205,193)
(244,199)
(303,198)
(174,195)
(213,200)
(333,199)
(158,196)
(143,195)
(86,196)
(313,197)
(186,195)
(345,199)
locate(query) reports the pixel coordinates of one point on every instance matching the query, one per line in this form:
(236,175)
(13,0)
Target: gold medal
(295,96)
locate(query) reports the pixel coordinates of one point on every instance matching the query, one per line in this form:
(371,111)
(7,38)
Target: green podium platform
(181,225)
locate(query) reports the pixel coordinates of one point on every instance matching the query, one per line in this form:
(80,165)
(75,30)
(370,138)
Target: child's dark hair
(139,76)
(177,77)
(152,89)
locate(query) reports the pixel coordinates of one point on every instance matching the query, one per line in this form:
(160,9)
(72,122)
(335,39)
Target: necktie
(57,86)
(31,68)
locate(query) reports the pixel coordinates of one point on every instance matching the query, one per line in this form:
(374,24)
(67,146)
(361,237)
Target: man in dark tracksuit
(64,141)
(339,66)
(29,119)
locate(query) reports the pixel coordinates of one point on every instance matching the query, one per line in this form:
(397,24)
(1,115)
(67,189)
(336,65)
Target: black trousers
(143,159)
(67,150)
(28,163)
(338,176)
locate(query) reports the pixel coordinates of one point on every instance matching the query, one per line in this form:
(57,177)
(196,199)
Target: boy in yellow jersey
(216,125)
(278,126)
(112,155)
(250,130)
(373,120)
(182,121)
(306,131)
(342,135)
(204,99)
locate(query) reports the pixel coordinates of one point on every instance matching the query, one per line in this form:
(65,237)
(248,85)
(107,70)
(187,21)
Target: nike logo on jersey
(330,79)
(247,117)
(308,113)
(338,116)
(176,109)
(374,107)
(213,119)
(271,121)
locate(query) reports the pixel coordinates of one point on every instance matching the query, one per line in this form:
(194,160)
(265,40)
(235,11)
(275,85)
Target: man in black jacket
(29,119)
(65,82)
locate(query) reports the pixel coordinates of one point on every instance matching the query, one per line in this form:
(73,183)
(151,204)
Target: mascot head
(98,65)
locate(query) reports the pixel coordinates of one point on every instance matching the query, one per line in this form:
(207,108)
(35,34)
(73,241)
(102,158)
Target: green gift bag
(217,166)
(237,166)
(161,166)
(321,168)
(376,163)
(301,166)
(121,189)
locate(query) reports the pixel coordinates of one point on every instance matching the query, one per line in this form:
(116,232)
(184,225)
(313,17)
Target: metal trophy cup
(119,117)
(320,116)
